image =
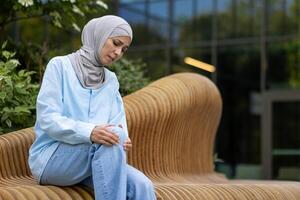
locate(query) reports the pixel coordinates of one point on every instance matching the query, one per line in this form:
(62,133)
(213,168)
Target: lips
(112,59)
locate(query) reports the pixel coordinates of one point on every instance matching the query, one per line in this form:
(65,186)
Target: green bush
(131,75)
(17,94)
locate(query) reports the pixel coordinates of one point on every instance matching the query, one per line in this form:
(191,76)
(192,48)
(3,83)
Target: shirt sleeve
(118,116)
(50,108)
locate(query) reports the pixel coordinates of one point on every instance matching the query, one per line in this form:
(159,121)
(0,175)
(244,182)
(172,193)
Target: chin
(109,63)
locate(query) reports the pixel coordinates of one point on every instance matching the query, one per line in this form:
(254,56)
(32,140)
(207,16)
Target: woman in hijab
(81,130)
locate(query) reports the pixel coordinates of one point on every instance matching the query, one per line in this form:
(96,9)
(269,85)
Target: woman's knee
(121,133)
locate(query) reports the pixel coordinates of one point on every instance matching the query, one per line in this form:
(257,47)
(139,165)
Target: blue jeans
(100,167)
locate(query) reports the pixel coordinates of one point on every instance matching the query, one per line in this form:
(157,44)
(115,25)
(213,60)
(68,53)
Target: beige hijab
(85,61)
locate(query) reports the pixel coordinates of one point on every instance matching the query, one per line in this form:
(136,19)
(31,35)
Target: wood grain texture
(172,123)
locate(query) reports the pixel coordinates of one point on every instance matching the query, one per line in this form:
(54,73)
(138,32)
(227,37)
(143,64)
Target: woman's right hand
(103,135)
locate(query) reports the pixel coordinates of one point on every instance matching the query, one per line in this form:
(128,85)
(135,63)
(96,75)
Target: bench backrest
(172,123)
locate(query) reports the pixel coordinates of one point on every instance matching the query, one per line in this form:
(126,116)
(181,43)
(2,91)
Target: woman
(81,131)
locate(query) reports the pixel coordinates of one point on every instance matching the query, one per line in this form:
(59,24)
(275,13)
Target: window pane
(155,60)
(286,140)
(238,77)
(196,27)
(133,13)
(239,18)
(284,64)
(159,10)
(283,16)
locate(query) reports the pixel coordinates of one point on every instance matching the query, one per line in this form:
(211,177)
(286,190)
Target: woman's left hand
(127,144)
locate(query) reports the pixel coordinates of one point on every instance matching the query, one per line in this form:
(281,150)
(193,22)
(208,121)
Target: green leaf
(6,54)
(23,109)
(6,109)
(20,85)
(13,62)
(76,27)
(102,4)
(21,73)
(4,45)
(56,19)
(4,117)
(8,122)
(2,95)
(8,81)
(77,10)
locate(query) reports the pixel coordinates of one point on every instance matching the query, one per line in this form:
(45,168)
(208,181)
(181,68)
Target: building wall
(255,47)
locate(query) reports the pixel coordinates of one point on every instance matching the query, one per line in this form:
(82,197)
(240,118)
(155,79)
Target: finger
(128,142)
(103,136)
(107,130)
(109,139)
(111,135)
(127,146)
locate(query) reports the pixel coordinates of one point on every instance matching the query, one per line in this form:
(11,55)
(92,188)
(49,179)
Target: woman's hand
(102,135)
(127,144)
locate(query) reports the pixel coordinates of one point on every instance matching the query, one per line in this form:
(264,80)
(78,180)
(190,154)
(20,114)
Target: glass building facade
(255,47)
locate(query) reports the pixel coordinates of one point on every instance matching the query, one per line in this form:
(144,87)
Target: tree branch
(18,19)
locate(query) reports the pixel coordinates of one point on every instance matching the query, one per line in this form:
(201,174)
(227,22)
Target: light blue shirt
(67,112)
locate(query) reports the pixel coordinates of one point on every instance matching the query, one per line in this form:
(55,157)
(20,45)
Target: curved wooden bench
(172,123)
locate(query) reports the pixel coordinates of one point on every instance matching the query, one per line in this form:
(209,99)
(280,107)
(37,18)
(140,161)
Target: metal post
(284,21)
(266,143)
(234,18)
(170,38)
(252,24)
(16,30)
(266,147)
(214,41)
(263,47)
(194,5)
(147,15)
(116,6)
(298,20)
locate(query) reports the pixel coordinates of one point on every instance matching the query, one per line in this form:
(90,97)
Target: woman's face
(113,49)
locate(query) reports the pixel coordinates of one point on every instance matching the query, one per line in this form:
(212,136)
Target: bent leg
(109,170)
(69,165)
(100,166)
(138,185)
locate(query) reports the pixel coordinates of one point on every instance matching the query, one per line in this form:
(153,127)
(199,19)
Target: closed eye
(117,43)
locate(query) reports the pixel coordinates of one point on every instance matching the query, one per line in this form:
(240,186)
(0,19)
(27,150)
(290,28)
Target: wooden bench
(172,123)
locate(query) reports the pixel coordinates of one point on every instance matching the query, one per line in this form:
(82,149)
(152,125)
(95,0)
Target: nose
(118,51)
